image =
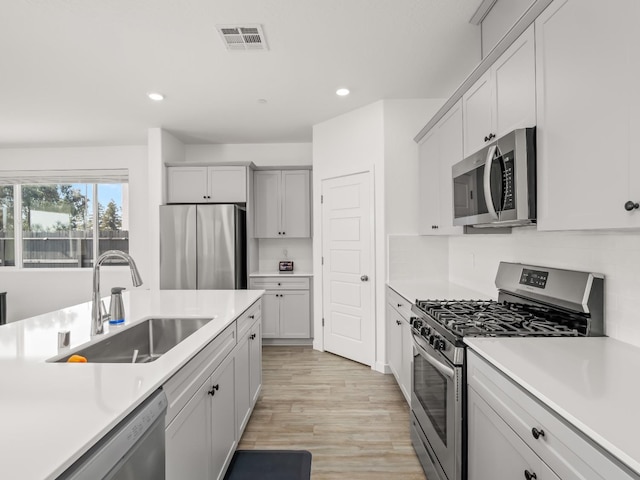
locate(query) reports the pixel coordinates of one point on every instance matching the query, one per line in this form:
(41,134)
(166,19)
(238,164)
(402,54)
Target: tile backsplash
(473,262)
(417,257)
(272,250)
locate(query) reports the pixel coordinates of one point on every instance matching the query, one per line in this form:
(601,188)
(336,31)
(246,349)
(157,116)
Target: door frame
(318,340)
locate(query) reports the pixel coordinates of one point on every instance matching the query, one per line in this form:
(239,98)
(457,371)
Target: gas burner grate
(491,318)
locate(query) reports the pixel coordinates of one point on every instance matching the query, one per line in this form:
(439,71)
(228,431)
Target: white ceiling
(76,72)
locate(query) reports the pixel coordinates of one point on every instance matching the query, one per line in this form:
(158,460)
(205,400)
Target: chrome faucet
(97,317)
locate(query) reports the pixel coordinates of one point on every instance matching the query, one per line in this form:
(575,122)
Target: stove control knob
(432,338)
(423,332)
(440,345)
(415,322)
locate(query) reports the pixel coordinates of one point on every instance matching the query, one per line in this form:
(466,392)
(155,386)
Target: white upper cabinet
(202,184)
(504,98)
(587,63)
(439,150)
(282,204)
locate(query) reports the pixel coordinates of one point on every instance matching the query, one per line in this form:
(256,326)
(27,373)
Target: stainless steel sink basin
(151,338)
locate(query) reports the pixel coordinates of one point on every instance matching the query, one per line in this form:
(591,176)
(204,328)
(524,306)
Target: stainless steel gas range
(532,301)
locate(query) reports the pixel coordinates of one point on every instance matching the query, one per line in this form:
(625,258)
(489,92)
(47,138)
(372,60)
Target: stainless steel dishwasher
(133,450)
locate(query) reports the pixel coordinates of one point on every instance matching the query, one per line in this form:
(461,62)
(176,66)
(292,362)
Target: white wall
(417,257)
(34,291)
(473,262)
(262,154)
(377,138)
(502,16)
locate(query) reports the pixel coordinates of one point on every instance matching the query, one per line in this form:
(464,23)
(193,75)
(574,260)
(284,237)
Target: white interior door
(347,289)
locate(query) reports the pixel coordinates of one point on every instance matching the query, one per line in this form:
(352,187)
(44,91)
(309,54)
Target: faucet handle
(103,311)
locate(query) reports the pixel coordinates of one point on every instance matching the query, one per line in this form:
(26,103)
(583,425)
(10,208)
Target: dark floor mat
(270,465)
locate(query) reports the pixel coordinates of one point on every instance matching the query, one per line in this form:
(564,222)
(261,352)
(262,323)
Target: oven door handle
(445,370)
(488,198)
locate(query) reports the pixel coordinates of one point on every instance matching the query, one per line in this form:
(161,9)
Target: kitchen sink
(143,343)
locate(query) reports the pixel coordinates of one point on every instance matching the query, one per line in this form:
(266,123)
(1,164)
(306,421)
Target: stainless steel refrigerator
(203,247)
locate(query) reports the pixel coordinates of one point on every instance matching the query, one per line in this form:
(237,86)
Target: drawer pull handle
(530,475)
(214,389)
(251,316)
(537,433)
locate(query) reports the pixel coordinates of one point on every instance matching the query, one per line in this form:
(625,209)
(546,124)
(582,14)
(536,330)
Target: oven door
(436,402)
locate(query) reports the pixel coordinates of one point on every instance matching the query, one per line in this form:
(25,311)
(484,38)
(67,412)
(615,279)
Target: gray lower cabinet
(287,309)
(399,343)
(211,399)
(512,435)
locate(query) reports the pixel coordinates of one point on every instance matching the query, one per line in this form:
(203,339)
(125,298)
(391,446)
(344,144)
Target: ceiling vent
(243,37)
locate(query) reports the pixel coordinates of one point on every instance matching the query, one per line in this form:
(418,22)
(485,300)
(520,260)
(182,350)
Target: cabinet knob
(530,475)
(364,278)
(284,233)
(204,196)
(214,389)
(252,316)
(279,284)
(398,322)
(399,305)
(631,206)
(252,336)
(537,433)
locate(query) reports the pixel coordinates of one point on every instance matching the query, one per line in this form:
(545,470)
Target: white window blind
(30,177)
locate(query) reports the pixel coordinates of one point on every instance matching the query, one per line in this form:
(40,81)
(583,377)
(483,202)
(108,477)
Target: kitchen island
(51,413)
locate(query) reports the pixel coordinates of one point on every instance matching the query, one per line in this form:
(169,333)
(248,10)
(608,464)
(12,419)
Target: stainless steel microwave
(496,186)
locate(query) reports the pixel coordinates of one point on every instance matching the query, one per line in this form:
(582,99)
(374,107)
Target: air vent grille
(243,37)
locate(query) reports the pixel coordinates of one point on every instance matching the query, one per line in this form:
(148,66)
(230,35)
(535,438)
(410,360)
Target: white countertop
(51,413)
(275,273)
(421,289)
(590,382)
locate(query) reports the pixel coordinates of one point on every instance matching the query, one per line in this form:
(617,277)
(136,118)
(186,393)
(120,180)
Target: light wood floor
(354,421)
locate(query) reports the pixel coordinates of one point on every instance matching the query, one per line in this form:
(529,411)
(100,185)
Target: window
(7,241)
(59,221)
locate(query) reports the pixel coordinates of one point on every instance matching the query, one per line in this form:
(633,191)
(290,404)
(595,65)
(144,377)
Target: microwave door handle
(441,367)
(487,180)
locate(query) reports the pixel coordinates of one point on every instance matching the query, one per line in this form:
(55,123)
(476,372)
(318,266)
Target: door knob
(364,278)
(631,206)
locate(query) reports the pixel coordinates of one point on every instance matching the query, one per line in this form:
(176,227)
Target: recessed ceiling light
(155,96)
(342,92)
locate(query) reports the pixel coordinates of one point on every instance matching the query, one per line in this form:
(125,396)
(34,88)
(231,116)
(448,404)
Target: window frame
(93,178)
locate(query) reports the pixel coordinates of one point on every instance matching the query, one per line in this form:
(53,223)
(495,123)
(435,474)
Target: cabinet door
(294,314)
(270,315)
(223,418)
(494,450)
(296,208)
(582,82)
(227,184)
(478,122)
(394,342)
(187,185)
(189,438)
(242,383)
(255,361)
(406,359)
(514,85)
(267,212)
(450,148)
(429,176)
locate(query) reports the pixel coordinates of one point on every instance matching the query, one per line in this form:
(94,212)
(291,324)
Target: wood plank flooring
(354,421)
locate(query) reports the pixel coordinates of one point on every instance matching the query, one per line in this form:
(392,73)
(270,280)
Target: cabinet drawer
(401,304)
(248,318)
(279,283)
(569,454)
(186,382)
